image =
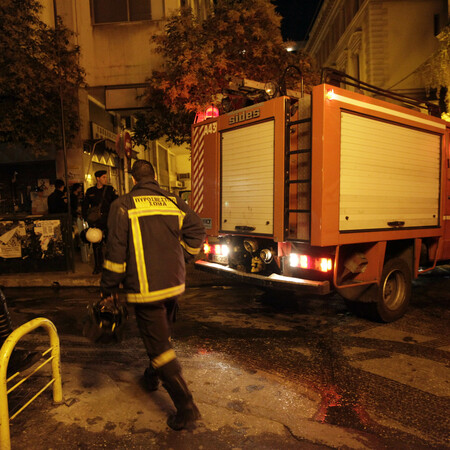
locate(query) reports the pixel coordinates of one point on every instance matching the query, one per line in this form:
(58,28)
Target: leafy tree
(38,66)
(241,38)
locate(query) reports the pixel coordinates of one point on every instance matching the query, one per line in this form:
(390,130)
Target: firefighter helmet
(94,235)
(105,320)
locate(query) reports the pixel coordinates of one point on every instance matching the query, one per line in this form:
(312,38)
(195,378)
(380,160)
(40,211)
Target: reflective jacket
(150,231)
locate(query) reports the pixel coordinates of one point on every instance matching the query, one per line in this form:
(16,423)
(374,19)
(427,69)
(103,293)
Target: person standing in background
(57,200)
(75,203)
(99,198)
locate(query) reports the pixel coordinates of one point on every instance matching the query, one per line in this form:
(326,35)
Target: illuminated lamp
(330,95)
(212,111)
(304,262)
(206,248)
(325,264)
(294,259)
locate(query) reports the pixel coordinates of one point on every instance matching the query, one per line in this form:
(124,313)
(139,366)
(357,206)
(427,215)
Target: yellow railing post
(5,354)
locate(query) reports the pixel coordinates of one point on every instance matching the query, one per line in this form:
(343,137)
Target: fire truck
(332,191)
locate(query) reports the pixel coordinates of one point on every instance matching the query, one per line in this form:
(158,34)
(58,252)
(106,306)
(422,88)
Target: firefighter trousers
(155,323)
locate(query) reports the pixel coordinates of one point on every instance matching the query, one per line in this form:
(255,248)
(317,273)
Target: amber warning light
(309,262)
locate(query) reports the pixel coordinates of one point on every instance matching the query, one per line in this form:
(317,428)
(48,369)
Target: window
(163,167)
(110,11)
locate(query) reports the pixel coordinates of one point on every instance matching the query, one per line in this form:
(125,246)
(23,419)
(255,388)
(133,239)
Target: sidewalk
(83,277)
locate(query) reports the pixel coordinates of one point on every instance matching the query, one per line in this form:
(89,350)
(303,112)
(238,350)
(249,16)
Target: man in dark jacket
(57,200)
(150,232)
(101,195)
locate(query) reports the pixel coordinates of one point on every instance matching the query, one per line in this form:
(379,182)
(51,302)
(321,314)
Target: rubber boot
(187,412)
(151,379)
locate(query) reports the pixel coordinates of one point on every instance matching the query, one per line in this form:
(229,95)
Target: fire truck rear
(334,191)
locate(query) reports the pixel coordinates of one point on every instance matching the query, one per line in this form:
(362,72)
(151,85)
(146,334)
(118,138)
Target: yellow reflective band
(152,206)
(154,296)
(155,212)
(139,251)
(190,250)
(163,358)
(115,267)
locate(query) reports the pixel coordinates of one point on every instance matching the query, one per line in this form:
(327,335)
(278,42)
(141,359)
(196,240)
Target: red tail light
(310,262)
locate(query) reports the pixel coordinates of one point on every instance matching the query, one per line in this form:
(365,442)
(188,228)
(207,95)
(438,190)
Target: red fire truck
(334,191)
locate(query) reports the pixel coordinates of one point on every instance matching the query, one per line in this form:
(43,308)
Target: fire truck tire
(388,301)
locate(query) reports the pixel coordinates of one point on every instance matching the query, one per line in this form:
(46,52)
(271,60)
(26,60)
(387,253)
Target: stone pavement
(106,406)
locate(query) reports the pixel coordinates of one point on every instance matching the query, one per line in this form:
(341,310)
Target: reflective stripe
(163,358)
(115,267)
(154,212)
(147,297)
(139,251)
(191,250)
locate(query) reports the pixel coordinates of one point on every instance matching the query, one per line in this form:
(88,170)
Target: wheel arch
(377,254)
(403,249)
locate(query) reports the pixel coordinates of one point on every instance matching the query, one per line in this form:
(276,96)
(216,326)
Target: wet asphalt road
(389,383)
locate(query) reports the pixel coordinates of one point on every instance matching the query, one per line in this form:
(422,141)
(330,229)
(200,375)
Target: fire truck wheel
(388,301)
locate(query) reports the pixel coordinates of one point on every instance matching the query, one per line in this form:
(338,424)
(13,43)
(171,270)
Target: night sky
(297,17)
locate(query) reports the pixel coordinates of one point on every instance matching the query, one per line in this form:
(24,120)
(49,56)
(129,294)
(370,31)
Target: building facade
(114,37)
(117,55)
(381,42)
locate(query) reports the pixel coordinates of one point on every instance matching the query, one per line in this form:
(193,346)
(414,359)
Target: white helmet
(94,235)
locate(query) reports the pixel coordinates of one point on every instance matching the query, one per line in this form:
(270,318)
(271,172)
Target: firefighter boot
(187,412)
(151,380)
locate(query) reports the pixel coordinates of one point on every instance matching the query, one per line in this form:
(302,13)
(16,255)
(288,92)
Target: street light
(87,175)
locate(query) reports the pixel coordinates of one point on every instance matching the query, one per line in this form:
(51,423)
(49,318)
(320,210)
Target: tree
(38,66)
(241,38)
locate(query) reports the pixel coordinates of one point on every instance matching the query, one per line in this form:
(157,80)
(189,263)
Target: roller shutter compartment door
(247,179)
(388,174)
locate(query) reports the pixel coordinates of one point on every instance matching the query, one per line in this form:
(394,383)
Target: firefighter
(150,233)
(95,210)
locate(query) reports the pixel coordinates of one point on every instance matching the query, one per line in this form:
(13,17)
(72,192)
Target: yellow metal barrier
(5,354)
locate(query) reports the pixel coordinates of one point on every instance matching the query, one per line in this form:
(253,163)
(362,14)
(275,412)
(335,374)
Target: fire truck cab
(331,191)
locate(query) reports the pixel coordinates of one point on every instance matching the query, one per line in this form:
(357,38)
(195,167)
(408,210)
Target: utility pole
(70,247)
